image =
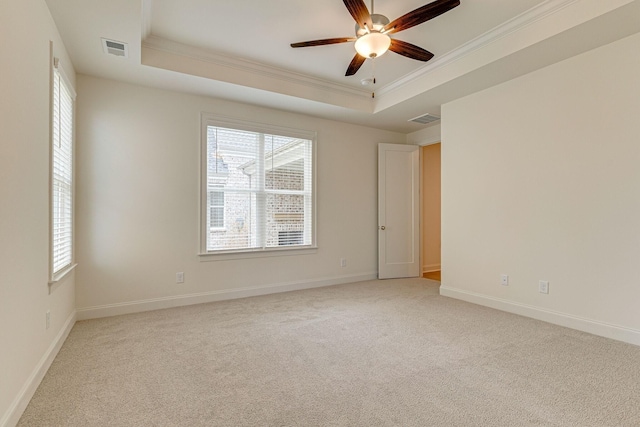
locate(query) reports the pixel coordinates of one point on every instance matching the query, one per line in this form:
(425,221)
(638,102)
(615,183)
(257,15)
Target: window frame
(60,81)
(209,119)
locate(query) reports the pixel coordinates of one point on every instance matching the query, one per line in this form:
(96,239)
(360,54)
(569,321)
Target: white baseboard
(430,267)
(204,297)
(13,414)
(619,333)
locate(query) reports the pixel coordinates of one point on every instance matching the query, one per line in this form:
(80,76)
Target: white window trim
(209,119)
(56,276)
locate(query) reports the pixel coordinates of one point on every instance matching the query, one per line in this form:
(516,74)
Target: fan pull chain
(373,68)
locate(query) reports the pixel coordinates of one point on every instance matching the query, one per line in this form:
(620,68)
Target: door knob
(382,227)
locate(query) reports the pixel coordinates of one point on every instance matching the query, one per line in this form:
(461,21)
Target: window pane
(285,220)
(61,176)
(240,230)
(231,157)
(285,165)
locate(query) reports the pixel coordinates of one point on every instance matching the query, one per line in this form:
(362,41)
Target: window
(257,187)
(290,237)
(61,175)
(216,209)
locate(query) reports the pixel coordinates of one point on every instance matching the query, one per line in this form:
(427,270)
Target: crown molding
(536,13)
(260,70)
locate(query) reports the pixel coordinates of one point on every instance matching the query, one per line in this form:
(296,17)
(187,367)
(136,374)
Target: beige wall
(138,183)
(540,181)
(431,207)
(428,135)
(26,27)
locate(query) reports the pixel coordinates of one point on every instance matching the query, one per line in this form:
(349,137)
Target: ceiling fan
(373,32)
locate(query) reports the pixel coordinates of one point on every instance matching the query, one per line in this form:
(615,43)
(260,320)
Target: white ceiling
(239,50)
(263,31)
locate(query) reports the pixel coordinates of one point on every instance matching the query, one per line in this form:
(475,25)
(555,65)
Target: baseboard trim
(430,268)
(616,332)
(15,411)
(129,307)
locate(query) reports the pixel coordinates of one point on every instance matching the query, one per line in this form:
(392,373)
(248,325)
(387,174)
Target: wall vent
(116,48)
(425,118)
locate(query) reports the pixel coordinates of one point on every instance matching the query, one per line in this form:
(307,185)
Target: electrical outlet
(343,262)
(180,277)
(504,280)
(48,317)
(543,287)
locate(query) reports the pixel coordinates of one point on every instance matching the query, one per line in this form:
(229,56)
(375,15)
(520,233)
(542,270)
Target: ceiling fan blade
(359,11)
(410,50)
(420,15)
(323,42)
(355,65)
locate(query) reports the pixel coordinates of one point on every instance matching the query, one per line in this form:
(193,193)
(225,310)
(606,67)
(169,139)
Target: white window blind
(259,189)
(61,175)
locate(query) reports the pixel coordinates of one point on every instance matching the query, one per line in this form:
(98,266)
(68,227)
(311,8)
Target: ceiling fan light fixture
(372,32)
(373,44)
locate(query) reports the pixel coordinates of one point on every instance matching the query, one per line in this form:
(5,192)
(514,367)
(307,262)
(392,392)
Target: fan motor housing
(379,21)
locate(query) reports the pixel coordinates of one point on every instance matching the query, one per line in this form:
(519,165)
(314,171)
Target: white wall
(26,346)
(138,197)
(426,136)
(541,181)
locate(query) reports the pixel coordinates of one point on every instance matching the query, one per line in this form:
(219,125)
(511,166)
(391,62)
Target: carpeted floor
(378,353)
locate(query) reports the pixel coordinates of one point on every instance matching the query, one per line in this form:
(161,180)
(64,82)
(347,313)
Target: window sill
(57,277)
(259,253)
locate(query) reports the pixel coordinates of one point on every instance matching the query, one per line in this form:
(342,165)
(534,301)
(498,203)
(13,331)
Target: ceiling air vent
(425,119)
(113,47)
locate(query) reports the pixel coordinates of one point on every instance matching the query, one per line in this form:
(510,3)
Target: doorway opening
(430,212)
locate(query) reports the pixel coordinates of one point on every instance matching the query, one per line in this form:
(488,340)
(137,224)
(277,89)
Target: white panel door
(398,211)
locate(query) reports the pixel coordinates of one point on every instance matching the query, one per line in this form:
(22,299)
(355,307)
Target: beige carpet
(379,353)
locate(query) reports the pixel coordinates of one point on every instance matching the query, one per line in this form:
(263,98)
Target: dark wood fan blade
(420,15)
(355,65)
(323,42)
(359,11)
(410,50)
